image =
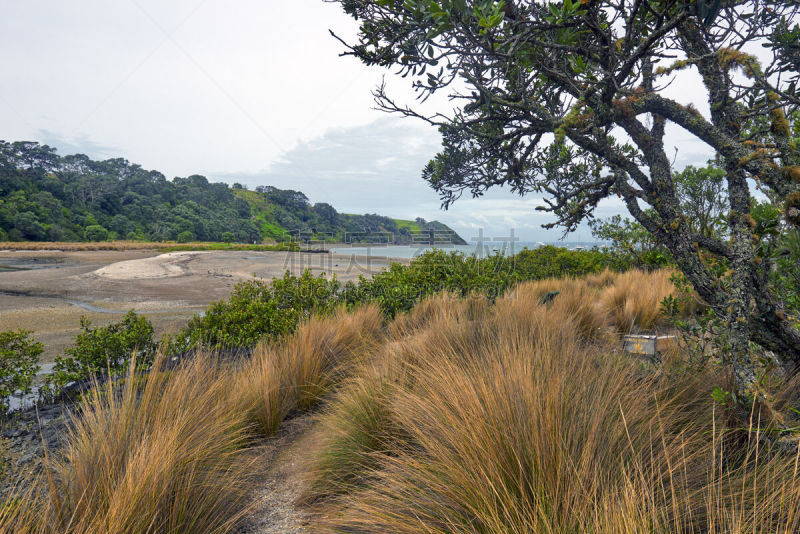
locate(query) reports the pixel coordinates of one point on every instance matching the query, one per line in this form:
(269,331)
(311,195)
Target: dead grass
(633,300)
(132,245)
(459,417)
(508,421)
(70,246)
(296,374)
(165,456)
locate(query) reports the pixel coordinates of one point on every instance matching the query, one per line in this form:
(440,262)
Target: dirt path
(287,456)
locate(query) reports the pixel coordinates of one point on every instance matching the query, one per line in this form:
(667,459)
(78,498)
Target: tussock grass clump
(296,374)
(509,421)
(633,300)
(576,301)
(355,430)
(163,454)
(602,279)
(440,307)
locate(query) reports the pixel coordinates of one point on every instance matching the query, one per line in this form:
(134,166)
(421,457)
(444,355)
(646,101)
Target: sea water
(481,250)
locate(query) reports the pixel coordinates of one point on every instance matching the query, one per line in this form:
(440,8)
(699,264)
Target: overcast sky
(252,91)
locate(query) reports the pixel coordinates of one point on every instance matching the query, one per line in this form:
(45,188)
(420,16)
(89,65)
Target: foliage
(107,349)
(630,240)
(570,100)
(19,359)
(401,286)
(786,277)
(703,197)
(44,196)
(95,232)
(780,244)
(185,237)
(256,310)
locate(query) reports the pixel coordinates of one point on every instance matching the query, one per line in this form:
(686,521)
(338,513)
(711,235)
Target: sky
(249,91)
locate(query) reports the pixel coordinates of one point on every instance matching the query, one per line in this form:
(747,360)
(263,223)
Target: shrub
(19,358)
(257,310)
(98,351)
(631,242)
(401,286)
(227,237)
(185,237)
(95,232)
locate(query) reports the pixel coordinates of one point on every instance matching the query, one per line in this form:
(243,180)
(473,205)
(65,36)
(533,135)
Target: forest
(48,197)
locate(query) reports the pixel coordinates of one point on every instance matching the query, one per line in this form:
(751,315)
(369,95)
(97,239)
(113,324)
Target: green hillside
(47,197)
(285,214)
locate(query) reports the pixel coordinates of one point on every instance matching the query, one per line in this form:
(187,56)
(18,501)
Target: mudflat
(48,291)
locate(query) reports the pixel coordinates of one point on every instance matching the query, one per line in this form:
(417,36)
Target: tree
(185,237)
(567,99)
(227,237)
(327,213)
(95,232)
(703,198)
(630,238)
(26,223)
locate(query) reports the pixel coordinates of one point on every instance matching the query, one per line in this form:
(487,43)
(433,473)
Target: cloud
(376,168)
(81,144)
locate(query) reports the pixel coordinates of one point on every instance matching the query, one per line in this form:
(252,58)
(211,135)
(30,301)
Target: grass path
(286,458)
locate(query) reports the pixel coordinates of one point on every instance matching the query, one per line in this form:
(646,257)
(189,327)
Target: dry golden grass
(576,300)
(298,373)
(442,307)
(601,279)
(509,421)
(164,454)
(459,417)
(70,246)
(633,300)
(168,453)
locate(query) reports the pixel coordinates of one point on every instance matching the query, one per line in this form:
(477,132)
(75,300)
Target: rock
(24,459)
